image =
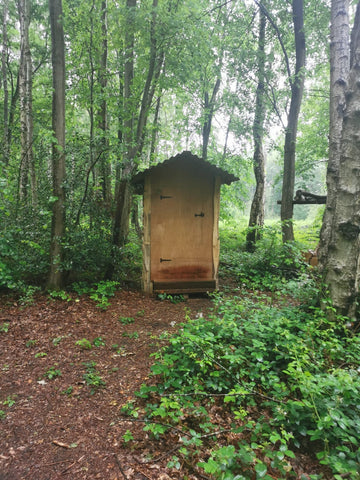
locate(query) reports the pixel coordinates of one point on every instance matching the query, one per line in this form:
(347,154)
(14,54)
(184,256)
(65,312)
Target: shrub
(298,371)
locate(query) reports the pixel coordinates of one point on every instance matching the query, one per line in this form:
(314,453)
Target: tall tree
(123,200)
(136,113)
(297,88)
(339,71)
(257,213)
(105,170)
(58,146)
(27,166)
(4,55)
(342,265)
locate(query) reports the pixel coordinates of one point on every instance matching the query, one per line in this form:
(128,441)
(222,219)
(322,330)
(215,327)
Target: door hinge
(165,260)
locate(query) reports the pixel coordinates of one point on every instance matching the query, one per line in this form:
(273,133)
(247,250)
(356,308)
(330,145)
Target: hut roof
(187,157)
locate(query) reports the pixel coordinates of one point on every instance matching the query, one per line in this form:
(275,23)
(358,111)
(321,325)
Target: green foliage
(60,294)
(52,373)
(172,298)
(56,341)
(128,436)
(98,342)
(92,377)
(4,327)
(84,344)
(87,253)
(99,292)
(10,401)
(27,293)
(68,391)
(270,267)
(102,292)
(126,320)
(40,355)
(131,335)
(292,366)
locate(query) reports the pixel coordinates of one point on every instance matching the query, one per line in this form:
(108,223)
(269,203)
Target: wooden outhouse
(181,215)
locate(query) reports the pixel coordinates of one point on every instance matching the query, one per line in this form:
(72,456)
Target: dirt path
(66,369)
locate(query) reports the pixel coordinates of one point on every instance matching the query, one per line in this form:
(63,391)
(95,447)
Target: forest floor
(67,369)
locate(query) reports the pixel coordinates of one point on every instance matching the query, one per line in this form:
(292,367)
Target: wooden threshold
(186,286)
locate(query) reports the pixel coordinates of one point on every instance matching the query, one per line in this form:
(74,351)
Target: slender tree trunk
(58,147)
(339,71)
(14,98)
(123,200)
(134,121)
(257,213)
(297,87)
(105,170)
(92,153)
(342,269)
(155,129)
(4,54)
(27,167)
(209,106)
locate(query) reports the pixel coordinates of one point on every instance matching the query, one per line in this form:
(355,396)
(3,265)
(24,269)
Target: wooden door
(182,216)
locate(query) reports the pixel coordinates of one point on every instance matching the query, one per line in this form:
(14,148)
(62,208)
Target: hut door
(181,228)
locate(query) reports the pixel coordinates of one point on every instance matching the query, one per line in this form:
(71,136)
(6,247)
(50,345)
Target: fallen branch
(120,467)
(70,466)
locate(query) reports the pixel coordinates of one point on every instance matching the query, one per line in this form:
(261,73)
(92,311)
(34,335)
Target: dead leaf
(60,444)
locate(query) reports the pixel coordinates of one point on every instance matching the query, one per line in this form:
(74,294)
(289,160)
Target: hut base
(185,286)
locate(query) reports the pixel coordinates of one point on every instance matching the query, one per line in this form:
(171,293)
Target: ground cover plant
(284,378)
(250,383)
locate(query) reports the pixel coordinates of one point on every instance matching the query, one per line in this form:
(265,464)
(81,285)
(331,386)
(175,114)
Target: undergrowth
(264,378)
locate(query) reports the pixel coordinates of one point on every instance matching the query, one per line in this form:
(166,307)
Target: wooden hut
(181,215)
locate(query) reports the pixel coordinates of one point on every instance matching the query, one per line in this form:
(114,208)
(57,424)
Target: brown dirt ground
(57,428)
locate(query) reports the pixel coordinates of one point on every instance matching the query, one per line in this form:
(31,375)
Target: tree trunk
(123,197)
(342,272)
(257,206)
(4,53)
(105,170)
(297,87)
(339,71)
(134,122)
(209,105)
(26,120)
(58,147)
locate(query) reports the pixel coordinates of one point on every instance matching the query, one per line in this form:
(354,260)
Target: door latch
(202,214)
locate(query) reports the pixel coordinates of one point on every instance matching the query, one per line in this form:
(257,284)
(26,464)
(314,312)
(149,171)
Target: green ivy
(289,362)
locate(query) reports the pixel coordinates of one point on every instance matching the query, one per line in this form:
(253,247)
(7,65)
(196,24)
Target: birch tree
(339,71)
(342,267)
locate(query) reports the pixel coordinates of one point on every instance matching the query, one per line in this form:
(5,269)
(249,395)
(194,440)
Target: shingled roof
(187,157)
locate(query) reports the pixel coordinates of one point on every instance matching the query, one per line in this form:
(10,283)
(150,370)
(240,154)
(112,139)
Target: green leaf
(260,469)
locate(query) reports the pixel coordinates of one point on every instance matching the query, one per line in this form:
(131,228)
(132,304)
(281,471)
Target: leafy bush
(87,254)
(287,378)
(268,267)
